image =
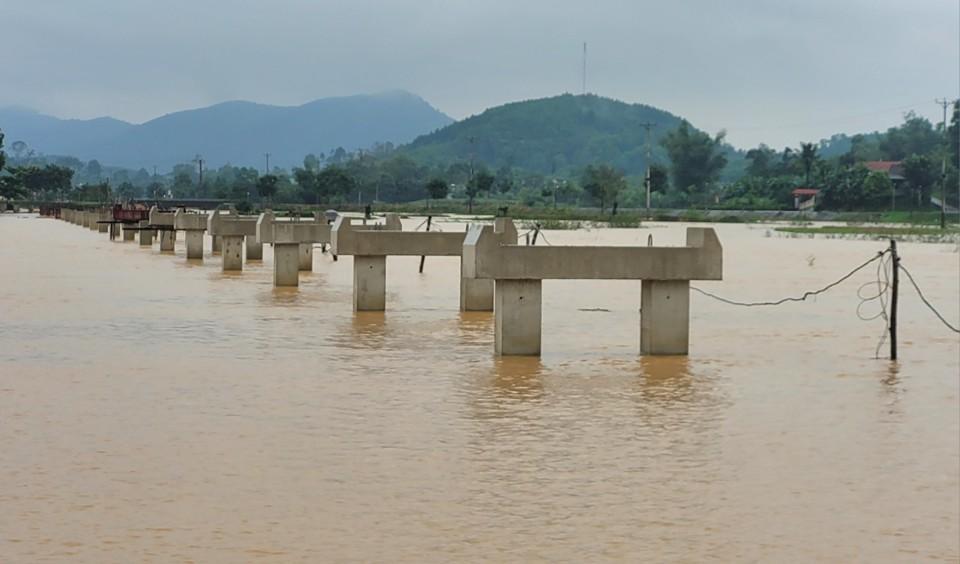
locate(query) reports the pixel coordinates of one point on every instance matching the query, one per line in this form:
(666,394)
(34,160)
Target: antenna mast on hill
(584,75)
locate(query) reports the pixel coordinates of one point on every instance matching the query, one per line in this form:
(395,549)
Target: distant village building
(893,169)
(805,199)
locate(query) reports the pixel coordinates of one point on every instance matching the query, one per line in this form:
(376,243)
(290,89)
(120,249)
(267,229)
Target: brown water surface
(153,409)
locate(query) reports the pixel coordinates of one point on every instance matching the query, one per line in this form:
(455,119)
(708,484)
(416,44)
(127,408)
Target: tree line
(690,177)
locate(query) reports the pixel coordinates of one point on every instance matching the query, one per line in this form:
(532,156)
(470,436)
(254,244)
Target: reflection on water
(157,409)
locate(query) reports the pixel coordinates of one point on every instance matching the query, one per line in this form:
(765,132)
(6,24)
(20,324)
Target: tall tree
(334,182)
(808,157)
(915,136)
(481,183)
(437,188)
(761,160)
(696,159)
(267,186)
(603,183)
(3,156)
(921,173)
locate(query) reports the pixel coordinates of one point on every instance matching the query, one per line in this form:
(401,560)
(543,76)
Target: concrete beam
(185,221)
(160,219)
(701,259)
(665,291)
(271,230)
(220,225)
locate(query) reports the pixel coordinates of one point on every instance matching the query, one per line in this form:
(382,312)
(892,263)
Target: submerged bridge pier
(370,248)
(665,274)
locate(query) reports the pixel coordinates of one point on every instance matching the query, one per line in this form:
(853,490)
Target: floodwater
(153,409)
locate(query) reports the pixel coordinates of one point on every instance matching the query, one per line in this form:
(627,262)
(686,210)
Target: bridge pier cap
(665,272)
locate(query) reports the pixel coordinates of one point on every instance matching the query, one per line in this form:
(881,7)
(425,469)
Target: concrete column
(475,294)
(101,227)
(254,249)
(216,245)
(232,252)
(306,257)
(128,233)
(664,316)
(517,308)
(369,283)
(146,237)
(194,240)
(286,260)
(114,231)
(168,239)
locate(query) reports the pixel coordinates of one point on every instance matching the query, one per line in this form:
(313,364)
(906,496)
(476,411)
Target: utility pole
(647,125)
(267,170)
(199,160)
(943,167)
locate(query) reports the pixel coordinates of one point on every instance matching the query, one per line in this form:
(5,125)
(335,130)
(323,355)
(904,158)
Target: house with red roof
(893,169)
(805,199)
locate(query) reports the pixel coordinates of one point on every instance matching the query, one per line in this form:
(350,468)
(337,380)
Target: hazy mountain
(557,134)
(235,132)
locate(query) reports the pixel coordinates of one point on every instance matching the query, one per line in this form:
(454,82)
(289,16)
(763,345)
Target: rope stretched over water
(802,298)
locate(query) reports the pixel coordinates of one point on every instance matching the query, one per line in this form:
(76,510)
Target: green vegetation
(552,155)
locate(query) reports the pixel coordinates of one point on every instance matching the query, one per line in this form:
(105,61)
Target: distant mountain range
(238,132)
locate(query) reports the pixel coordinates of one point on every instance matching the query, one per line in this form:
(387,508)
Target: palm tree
(808,156)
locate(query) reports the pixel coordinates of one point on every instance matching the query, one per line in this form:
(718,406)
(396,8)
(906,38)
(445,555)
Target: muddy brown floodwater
(155,410)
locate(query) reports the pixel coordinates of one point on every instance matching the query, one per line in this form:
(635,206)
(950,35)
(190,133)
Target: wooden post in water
(422,258)
(893,299)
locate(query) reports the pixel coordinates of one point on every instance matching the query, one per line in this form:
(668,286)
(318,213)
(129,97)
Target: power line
(794,299)
(925,301)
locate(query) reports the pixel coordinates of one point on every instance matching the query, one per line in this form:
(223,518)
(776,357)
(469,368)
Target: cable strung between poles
(924,299)
(802,298)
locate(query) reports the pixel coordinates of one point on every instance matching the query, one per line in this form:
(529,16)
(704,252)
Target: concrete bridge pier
(128,233)
(194,240)
(254,249)
(306,257)
(232,253)
(146,236)
(102,227)
(517,308)
(369,283)
(664,317)
(286,264)
(476,294)
(168,239)
(216,245)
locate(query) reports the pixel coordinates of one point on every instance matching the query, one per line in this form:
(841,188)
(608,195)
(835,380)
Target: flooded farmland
(153,409)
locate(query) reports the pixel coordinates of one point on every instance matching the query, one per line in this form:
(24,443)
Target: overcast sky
(774,71)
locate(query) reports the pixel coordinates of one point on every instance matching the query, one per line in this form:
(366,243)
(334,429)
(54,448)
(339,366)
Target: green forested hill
(557,135)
